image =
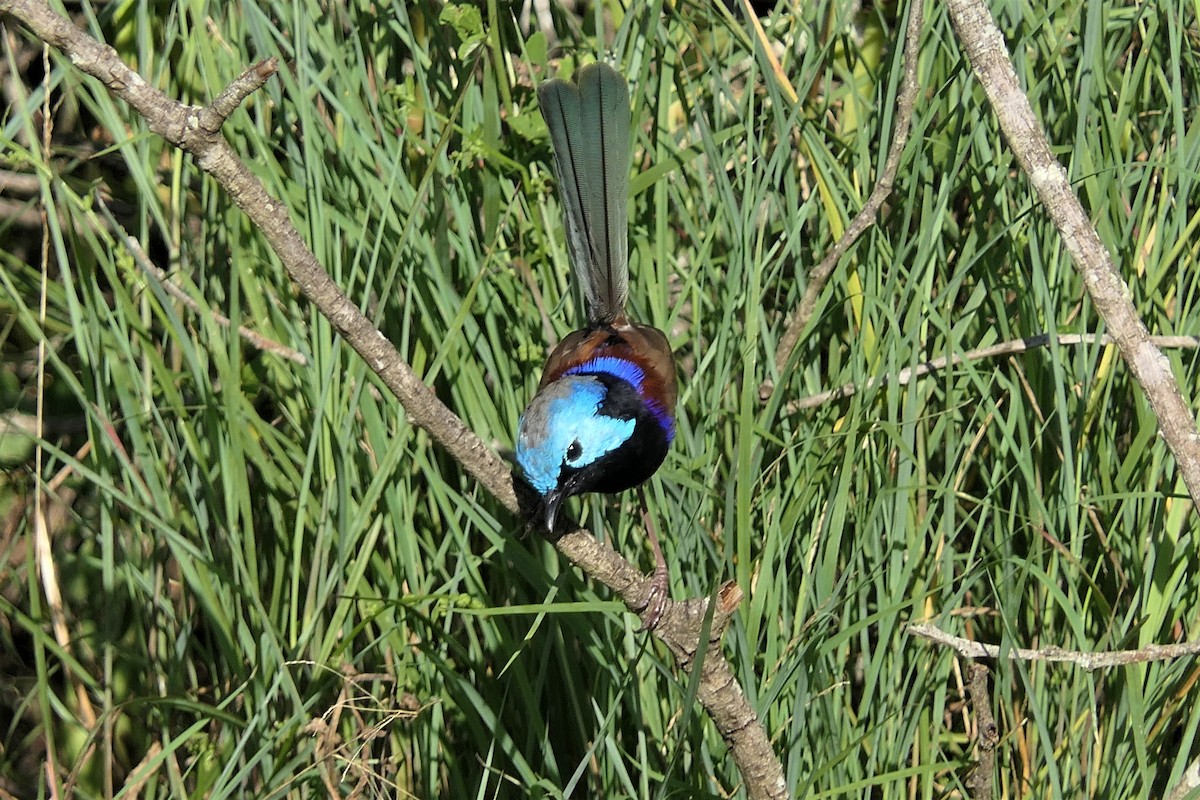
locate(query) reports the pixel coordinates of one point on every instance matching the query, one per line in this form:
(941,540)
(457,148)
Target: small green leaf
(468,24)
(529,126)
(537,49)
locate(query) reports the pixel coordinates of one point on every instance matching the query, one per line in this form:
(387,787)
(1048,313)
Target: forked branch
(987,734)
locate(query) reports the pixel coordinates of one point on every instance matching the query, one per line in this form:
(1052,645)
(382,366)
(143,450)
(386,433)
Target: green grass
(274,585)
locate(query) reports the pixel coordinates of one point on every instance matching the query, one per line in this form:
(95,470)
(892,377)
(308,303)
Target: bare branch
(986,733)
(989,58)
(968,648)
(253,338)
(191,128)
(865,218)
(245,85)
(908,374)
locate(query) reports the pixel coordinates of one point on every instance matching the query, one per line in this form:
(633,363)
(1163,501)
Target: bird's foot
(656,599)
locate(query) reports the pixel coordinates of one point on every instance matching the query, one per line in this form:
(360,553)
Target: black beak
(551,501)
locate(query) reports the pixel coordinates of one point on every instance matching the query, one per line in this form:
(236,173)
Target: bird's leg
(656,598)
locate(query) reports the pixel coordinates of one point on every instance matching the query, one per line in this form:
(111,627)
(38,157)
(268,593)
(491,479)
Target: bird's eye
(574,451)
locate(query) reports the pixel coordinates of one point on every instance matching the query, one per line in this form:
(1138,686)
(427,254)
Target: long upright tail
(589,127)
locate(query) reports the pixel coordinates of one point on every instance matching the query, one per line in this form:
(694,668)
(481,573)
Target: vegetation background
(273,586)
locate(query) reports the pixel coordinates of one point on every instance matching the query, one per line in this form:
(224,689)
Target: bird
(603,417)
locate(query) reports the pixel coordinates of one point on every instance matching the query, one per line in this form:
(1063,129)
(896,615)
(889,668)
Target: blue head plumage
(562,428)
(591,430)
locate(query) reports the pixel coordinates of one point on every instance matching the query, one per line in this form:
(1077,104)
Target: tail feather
(589,128)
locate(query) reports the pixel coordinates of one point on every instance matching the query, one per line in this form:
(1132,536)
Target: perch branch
(196,130)
(1109,293)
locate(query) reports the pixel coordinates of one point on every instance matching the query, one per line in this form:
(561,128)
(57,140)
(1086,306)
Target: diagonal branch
(865,218)
(252,338)
(196,130)
(1109,293)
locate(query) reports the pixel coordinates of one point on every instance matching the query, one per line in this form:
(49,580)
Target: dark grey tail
(589,127)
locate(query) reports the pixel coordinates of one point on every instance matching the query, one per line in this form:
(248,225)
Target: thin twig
(140,775)
(254,339)
(1099,659)
(20,214)
(908,374)
(866,216)
(985,49)
(22,183)
(242,87)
